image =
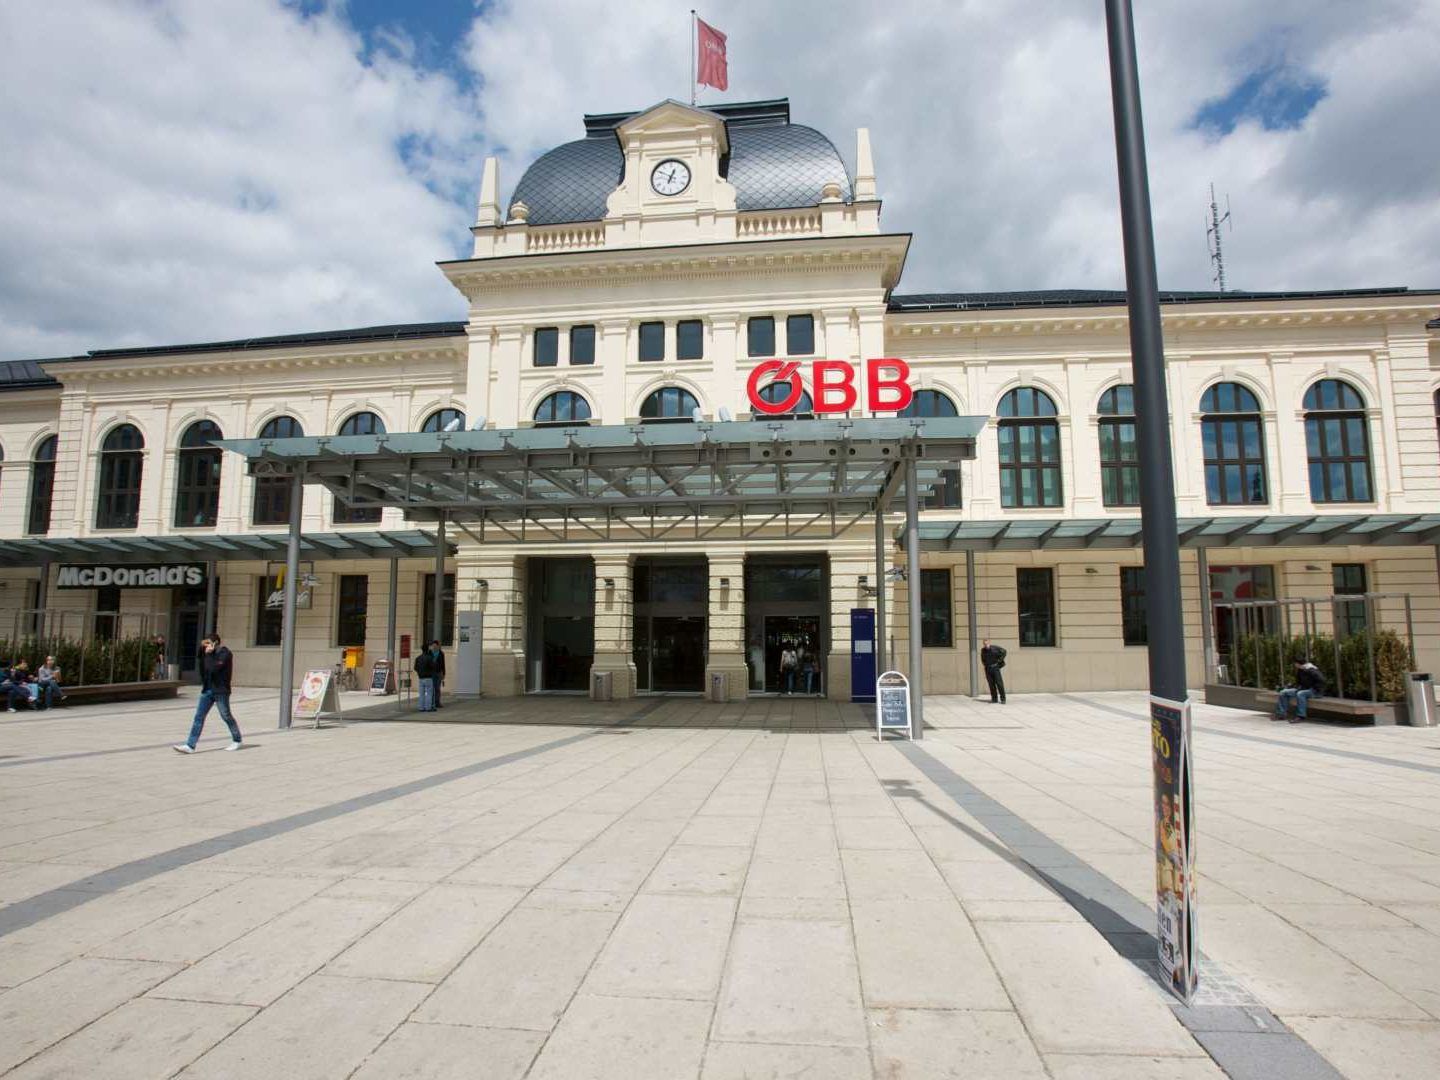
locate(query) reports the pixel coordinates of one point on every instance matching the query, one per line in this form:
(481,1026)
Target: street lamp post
(1170,711)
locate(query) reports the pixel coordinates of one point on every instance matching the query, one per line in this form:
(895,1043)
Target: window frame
(436,421)
(1318,419)
(268,621)
(571,397)
(120,483)
(1010,435)
(650,328)
(658,395)
(583,332)
(342,617)
(1116,410)
(937,624)
(41,494)
(274,491)
(1215,421)
(924,403)
(791,322)
(1134,629)
(343,513)
(1046,620)
(447,608)
(697,327)
(545,346)
(1345,609)
(198,471)
(759,322)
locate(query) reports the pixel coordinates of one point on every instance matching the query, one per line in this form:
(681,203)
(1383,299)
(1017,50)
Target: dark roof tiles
(1107,297)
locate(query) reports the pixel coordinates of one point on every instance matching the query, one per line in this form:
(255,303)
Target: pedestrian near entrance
(1309,681)
(437,670)
(789,662)
(424,683)
(992,657)
(217,665)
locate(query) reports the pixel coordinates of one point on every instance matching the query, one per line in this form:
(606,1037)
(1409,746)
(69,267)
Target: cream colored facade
(698,256)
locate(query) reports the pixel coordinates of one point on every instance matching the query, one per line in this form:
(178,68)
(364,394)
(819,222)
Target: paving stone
(795,879)
(711,870)
(524,973)
(446,1052)
(604,1038)
(1365,1049)
(791,981)
(927,1045)
(927,958)
(322,1029)
(767,1061)
(893,875)
(1115,1067)
(665,946)
(140,1040)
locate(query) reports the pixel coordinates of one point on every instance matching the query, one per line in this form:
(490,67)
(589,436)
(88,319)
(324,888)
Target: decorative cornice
(122,369)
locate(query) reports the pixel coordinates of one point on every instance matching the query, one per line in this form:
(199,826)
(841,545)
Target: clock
(670,177)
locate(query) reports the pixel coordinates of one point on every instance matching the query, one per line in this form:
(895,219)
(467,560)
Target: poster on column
(1174,844)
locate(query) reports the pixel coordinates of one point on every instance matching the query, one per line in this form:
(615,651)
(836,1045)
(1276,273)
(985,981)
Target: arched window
(946,494)
(562,407)
(777,393)
(437,420)
(1119,456)
(272,493)
(42,485)
(1029,449)
(362,423)
(197,475)
(122,462)
(1234,446)
(668,405)
(1337,443)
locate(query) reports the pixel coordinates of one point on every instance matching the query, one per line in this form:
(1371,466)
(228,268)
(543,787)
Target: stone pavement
(665,888)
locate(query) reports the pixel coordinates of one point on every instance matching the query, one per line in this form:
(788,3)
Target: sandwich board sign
(892,705)
(317,695)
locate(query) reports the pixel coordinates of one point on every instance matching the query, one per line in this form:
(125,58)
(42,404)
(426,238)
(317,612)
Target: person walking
(992,657)
(217,665)
(437,670)
(1309,681)
(424,683)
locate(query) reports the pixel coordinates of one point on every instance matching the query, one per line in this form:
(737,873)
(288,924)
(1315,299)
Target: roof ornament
(519,214)
(487,214)
(831,191)
(864,166)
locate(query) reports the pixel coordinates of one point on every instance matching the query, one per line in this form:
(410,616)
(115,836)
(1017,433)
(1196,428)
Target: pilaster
(615,622)
(495,585)
(725,624)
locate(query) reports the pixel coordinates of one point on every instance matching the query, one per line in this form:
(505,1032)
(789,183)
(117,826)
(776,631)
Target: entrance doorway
(187,624)
(786,604)
(670,620)
(560,624)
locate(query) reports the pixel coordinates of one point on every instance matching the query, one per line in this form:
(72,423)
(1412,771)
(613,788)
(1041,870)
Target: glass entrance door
(677,654)
(799,634)
(670,610)
(787,609)
(560,626)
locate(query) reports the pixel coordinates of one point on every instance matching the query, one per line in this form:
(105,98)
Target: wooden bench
(126,691)
(1333,708)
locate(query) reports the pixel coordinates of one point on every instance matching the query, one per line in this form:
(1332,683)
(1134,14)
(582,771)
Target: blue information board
(862,654)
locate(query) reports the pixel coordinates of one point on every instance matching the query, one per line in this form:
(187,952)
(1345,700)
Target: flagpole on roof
(693,47)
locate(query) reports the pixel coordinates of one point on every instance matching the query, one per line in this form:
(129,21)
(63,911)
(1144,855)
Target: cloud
(177,170)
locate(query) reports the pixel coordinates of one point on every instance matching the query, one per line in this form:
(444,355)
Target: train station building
(651,450)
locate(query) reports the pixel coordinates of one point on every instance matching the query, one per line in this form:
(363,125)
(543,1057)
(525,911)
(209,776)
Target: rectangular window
(1349,580)
(760,336)
(350,611)
(1240,584)
(935,609)
(582,345)
(652,341)
(547,346)
(690,340)
(447,610)
(107,612)
(1132,605)
(42,495)
(268,620)
(800,335)
(1036,588)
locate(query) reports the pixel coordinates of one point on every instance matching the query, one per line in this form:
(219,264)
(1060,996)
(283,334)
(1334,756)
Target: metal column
(287,625)
(437,619)
(43,600)
(974,624)
(880,628)
(390,625)
(212,595)
(1207,617)
(912,560)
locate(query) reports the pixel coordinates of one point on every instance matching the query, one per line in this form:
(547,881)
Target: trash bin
(602,686)
(720,686)
(1420,697)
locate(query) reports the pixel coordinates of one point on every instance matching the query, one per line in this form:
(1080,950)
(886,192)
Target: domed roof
(773,165)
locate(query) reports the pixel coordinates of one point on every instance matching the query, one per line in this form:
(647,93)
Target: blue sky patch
(1279,97)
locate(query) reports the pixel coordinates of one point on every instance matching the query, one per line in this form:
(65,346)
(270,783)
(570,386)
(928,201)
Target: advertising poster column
(1174,844)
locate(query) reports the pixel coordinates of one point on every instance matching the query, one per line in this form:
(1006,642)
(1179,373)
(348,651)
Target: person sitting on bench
(1308,683)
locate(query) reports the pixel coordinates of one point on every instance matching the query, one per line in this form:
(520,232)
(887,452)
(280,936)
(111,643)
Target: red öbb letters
(887,385)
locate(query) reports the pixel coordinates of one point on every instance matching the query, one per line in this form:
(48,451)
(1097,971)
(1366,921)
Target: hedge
(96,662)
(1272,658)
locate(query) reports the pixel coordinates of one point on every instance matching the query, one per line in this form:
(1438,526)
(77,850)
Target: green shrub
(1267,661)
(91,663)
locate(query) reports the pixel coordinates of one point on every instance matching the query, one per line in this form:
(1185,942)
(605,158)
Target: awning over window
(1391,530)
(256,546)
(754,478)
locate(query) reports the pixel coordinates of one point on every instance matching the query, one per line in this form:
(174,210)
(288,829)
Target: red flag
(711,61)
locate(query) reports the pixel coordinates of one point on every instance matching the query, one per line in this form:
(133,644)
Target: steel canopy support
(287,625)
(1207,615)
(437,594)
(391,622)
(912,561)
(212,595)
(879,589)
(974,623)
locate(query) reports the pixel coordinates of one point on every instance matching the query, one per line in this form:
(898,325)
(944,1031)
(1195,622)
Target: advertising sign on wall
(151,576)
(886,386)
(1174,844)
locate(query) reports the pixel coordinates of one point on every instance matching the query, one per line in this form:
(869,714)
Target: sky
(192,170)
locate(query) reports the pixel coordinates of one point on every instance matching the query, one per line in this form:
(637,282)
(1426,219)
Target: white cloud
(178,169)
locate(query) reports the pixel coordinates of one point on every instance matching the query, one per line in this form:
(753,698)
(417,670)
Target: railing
(91,648)
(564,237)
(762,225)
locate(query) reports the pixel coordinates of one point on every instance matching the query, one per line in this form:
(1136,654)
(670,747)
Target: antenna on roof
(1212,237)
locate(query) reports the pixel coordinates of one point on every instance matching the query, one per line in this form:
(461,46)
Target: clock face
(670,177)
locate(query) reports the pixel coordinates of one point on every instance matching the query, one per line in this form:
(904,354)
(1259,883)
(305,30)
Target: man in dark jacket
(217,664)
(1308,682)
(992,657)
(437,670)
